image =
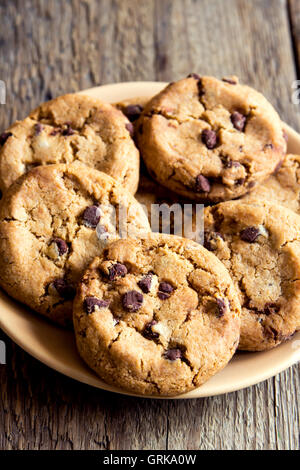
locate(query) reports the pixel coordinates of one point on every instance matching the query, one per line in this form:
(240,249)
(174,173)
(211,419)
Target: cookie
(282,187)
(156,316)
(132,107)
(210,140)
(260,247)
(53,221)
(71,128)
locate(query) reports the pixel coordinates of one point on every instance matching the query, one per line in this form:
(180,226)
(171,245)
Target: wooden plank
(294,16)
(52,47)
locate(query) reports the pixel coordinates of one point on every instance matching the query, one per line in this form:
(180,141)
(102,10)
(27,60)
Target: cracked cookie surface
(156,316)
(282,187)
(209,139)
(260,246)
(71,128)
(53,221)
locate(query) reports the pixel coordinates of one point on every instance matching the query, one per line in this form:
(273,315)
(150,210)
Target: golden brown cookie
(156,316)
(282,187)
(53,221)
(71,128)
(210,140)
(260,246)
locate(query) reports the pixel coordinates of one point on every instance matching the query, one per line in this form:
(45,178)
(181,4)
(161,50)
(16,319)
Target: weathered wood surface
(52,47)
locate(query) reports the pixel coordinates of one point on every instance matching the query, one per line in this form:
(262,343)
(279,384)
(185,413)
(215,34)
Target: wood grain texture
(50,47)
(294,17)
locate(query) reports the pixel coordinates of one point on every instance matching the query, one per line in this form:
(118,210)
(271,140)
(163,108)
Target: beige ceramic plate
(56,347)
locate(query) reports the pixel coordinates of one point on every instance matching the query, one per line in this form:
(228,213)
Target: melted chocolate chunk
(91,216)
(68,131)
(173,354)
(117,270)
(210,239)
(209,138)
(194,75)
(145,283)
(132,301)
(165,290)
(61,245)
(238,120)
(133,111)
(4,136)
(64,289)
(249,234)
(202,184)
(90,304)
(38,128)
(221,308)
(147,331)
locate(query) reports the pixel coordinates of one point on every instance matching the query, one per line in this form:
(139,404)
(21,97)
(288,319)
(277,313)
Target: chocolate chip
(116,270)
(55,132)
(132,301)
(64,289)
(238,120)
(173,354)
(221,306)
(251,184)
(4,136)
(68,131)
(194,75)
(209,138)
(133,111)
(202,184)
(232,164)
(147,331)
(130,128)
(210,240)
(240,181)
(61,245)
(90,304)
(91,216)
(145,283)
(271,308)
(268,146)
(200,88)
(249,234)
(38,128)
(164,290)
(229,80)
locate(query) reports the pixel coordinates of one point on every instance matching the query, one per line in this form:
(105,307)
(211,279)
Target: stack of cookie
(154,313)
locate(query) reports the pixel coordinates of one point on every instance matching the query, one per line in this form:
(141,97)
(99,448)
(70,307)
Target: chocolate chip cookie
(132,107)
(260,246)
(156,316)
(71,128)
(53,221)
(282,187)
(210,140)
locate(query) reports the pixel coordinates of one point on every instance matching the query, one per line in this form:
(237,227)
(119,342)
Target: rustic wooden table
(50,47)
